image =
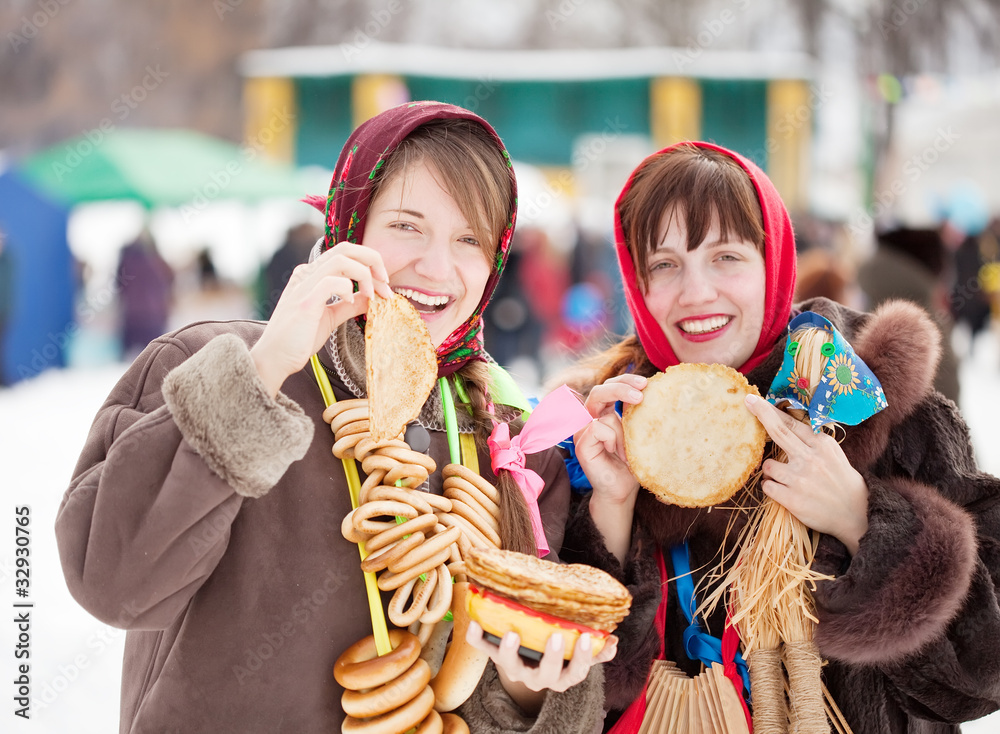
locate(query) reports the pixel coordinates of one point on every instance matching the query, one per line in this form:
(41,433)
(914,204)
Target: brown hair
(471,168)
(515,522)
(700,184)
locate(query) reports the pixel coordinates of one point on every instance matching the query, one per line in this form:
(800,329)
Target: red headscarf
(346,206)
(779,265)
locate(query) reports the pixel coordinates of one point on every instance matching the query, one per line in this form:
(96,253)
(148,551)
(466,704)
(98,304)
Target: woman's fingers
(624,388)
(791,435)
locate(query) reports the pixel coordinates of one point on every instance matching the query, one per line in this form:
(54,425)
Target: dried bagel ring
(403,719)
(390,581)
(460,496)
(413,497)
(397,531)
(335,409)
(488,528)
(439,502)
(360,667)
(381,558)
(411,475)
(470,533)
(457,470)
(408,456)
(347,529)
(463,485)
(421,591)
(343,447)
(431,547)
(384,698)
(440,603)
(370,445)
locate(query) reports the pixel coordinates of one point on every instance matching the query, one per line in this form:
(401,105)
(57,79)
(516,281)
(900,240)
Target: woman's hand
(600,446)
(304,318)
(600,449)
(528,684)
(817,484)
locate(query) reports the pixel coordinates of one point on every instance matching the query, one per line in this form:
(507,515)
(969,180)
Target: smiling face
(709,300)
(429,248)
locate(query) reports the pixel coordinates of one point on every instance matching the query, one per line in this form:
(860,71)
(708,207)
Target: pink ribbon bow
(559,415)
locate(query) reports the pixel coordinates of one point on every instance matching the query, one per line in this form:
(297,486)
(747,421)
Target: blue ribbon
(698,644)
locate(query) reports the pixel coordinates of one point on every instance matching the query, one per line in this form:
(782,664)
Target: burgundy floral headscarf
(346,206)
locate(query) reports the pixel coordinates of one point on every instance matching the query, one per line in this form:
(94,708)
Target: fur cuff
(579,710)
(221,408)
(908,580)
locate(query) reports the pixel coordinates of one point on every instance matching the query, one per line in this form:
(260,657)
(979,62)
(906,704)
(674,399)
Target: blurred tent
(43,284)
(159,167)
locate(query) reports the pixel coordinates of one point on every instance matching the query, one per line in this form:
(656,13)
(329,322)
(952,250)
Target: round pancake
(400,362)
(691,441)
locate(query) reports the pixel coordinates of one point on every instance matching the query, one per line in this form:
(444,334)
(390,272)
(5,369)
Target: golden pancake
(691,441)
(401,365)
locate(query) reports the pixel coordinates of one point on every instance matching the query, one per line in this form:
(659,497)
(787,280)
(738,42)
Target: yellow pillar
(375,93)
(789,130)
(674,110)
(270,117)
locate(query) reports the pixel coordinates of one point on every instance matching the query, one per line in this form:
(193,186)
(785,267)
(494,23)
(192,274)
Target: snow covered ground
(75,660)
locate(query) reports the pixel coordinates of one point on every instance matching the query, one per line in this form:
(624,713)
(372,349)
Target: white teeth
(421,297)
(702,326)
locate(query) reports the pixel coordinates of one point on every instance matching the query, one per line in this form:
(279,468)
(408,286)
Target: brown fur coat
(911,624)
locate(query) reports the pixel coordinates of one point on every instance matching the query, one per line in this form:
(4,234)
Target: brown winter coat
(204,518)
(911,624)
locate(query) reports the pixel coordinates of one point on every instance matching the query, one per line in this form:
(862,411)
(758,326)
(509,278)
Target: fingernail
(510,641)
(751,399)
(556,642)
(584,642)
(634,395)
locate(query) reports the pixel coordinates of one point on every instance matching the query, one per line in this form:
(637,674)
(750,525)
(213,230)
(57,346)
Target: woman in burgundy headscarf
(910,622)
(205,512)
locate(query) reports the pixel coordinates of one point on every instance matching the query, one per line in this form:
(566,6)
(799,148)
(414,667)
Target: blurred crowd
(557,302)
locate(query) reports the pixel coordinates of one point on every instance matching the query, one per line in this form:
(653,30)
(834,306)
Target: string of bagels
(415,543)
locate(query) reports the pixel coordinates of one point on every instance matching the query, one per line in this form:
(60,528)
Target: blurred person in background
(6,300)
(910,263)
(299,240)
(145,294)
(510,327)
(821,275)
(965,218)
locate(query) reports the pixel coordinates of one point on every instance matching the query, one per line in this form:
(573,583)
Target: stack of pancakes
(534,597)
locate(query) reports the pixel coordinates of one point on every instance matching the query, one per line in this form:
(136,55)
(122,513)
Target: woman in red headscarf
(910,623)
(204,515)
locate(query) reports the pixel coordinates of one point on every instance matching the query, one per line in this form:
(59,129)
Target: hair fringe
(515,521)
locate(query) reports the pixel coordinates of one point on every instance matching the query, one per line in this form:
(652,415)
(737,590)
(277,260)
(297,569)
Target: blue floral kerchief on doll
(848,392)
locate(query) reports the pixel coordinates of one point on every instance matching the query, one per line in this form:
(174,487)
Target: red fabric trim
(779,263)
(730,646)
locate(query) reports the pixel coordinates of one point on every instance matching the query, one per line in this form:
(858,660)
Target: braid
(514,521)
